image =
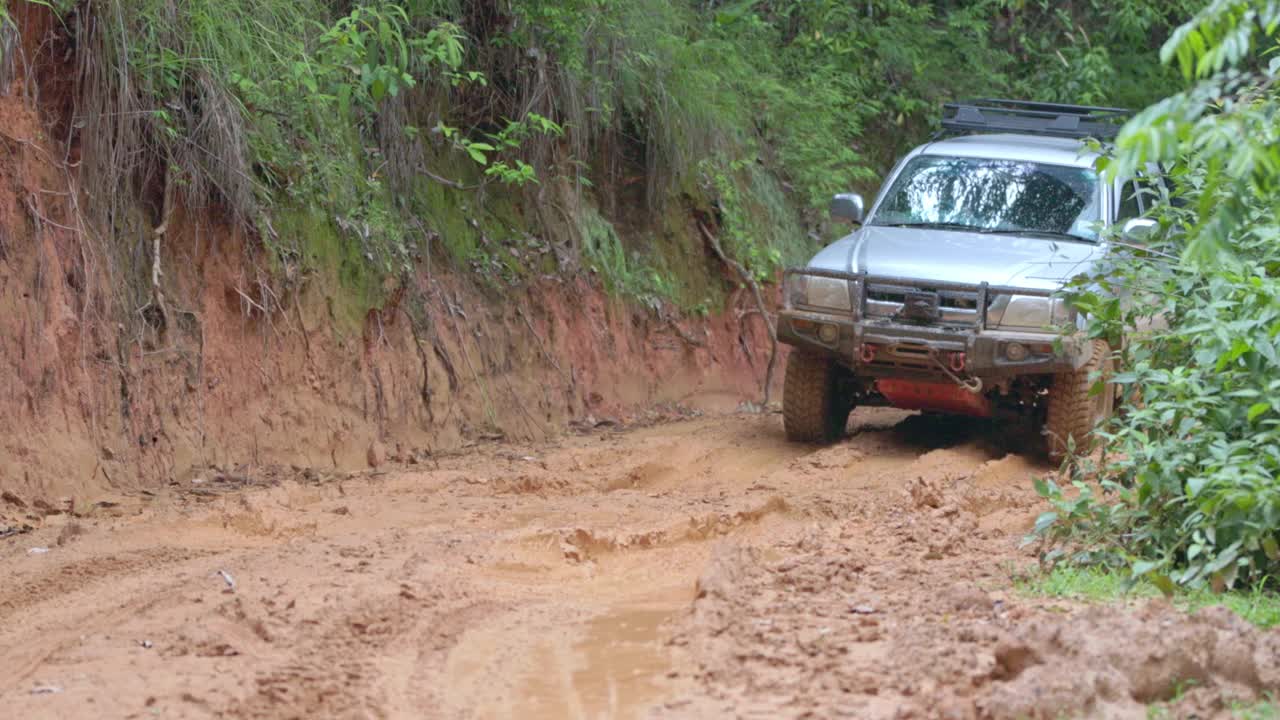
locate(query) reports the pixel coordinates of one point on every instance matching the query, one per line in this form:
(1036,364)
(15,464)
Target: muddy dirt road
(698,568)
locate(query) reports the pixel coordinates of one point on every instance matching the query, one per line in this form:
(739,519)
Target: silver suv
(946,298)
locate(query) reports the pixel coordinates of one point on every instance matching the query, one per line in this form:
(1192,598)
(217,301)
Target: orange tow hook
(957,362)
(868,353)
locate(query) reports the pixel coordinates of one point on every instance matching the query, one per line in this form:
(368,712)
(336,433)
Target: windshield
(1002,196)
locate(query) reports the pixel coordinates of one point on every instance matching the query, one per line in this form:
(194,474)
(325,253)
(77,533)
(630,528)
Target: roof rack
(1033,118)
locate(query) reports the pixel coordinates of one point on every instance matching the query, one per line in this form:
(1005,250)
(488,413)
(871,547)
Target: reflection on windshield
(994,196)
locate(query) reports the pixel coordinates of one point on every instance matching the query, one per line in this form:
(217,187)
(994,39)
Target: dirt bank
(142,340)
(249,368)
(696,567)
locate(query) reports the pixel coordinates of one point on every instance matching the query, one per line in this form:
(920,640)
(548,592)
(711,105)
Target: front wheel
(1074,411)
(812,409)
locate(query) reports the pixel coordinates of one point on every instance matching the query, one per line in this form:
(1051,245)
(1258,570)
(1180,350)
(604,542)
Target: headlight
(1029,312)
(819,292)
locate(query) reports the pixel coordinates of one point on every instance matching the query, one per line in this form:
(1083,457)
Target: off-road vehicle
(947,298)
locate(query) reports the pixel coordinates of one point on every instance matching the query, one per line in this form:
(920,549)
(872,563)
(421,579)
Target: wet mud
(697,568)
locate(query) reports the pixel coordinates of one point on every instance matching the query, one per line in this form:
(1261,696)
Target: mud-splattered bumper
(885,349)
(936,331)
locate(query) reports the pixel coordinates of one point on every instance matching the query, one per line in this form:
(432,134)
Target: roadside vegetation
(515,138)
(1095,584)
(1187,492)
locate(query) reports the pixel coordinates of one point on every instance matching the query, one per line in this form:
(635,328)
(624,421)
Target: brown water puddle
(615,670)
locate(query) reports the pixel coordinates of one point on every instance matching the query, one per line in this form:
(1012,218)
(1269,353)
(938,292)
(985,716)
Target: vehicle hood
(961,257)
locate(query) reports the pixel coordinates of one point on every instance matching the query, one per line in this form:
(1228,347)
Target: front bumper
(879,346)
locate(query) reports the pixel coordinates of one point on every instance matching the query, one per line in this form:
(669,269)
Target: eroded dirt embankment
(697,567)
(249,363)
(142,340)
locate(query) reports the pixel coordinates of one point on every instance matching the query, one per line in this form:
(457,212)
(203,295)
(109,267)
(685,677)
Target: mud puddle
(616,669)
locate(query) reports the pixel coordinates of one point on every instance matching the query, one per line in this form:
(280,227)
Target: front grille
(957,308)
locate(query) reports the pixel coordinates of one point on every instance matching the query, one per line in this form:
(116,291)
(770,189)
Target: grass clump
(626,273)
(1268,709)
(1258,606)
(281,105)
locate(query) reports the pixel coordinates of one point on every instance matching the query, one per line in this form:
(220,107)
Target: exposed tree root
(750,281)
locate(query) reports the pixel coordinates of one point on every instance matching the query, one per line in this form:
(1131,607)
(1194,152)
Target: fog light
(1015,351)
(829,334)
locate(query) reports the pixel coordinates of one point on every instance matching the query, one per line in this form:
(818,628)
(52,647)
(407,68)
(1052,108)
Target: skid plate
(944,397)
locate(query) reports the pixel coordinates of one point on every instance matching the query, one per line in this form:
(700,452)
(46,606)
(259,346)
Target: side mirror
(848,206)
(1139,231)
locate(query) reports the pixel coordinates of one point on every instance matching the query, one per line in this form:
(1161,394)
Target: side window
(1128,202)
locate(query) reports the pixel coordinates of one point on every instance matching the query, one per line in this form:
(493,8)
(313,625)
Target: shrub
(1193,495)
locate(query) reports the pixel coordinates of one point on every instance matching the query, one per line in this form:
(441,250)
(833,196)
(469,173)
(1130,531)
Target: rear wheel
(1073,411)
(812,407)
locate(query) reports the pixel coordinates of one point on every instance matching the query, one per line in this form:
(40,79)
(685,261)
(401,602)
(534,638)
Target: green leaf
(1257,409)
(1142,567)
(1271,548)
(1042,487)
(1195,485)
(1239,347)
(1164,584)
(1044,522)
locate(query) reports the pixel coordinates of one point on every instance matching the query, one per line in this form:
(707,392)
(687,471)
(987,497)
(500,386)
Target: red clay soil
(250,368)
(100,392)
(699,567)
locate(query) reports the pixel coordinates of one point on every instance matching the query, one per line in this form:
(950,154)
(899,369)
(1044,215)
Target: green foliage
(289,105)
(757,109)
(509,140)
(637,73)
(1193,491)
(1256,606)
(370,55)
(827,92)
(757,226)
(626,274)
(819,95)
(250,114)
(1267,709)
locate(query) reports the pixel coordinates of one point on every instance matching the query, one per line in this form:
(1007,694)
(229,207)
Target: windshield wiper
(990,231)
(1040,233)
(936,226)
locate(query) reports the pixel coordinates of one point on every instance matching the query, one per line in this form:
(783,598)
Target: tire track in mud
(78,576)
(704,567)
(337,667)
(72,598)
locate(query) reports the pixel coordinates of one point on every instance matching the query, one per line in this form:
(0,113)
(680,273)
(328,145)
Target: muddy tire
(812,409)
(1072,411)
